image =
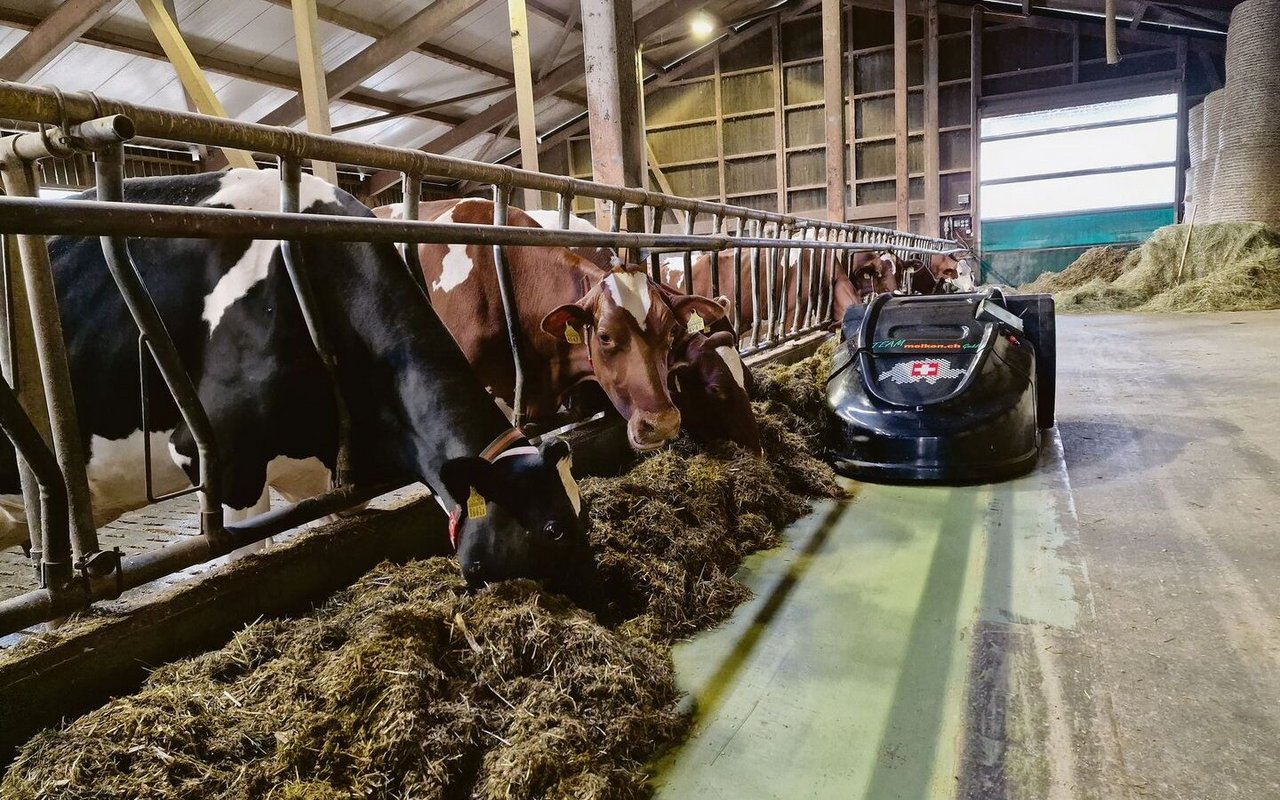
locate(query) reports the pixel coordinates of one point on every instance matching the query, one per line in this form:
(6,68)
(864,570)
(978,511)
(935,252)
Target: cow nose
(652,428)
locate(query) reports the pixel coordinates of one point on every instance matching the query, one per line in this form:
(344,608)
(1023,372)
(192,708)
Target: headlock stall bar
(37,410)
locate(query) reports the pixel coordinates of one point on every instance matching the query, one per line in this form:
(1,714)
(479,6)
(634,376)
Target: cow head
(628,330)
(712,389)
(874,273)
(519,516)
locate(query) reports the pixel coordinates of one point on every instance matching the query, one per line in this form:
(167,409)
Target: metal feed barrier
(36,405)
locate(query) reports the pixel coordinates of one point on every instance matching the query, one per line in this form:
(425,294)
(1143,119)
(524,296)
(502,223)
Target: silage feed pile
(407,686)
(1228,267)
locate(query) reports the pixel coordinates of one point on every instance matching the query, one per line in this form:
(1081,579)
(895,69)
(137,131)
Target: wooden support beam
(189,73)
(440,53)
(902,182)
(347,76)
(833,105)
(1184,157)
(1113,52)
(932,187)
(1139,11)
(519,17)
(557,79)
(779,120)
(315,95)
(664,183)
(1210,70)
(67,23)
(571,23)
(975,125)
(257,74)
(613,89)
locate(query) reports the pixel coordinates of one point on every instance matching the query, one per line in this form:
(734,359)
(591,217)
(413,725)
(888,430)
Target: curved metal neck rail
(46,105)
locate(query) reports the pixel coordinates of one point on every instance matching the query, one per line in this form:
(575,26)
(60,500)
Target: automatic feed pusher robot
(942,388)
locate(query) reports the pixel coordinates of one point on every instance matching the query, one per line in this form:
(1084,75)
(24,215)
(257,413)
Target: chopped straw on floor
(407,686)
(1228,267)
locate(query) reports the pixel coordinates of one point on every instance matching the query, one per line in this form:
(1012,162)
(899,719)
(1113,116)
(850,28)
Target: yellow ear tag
(476,506)
(696,323)
(571,335)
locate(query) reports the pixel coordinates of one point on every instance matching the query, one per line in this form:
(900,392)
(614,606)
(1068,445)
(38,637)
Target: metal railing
(36,405)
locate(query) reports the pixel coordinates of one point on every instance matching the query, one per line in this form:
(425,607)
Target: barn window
(1094,157)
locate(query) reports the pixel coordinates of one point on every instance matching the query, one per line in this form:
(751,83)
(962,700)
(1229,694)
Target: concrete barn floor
(1106,627)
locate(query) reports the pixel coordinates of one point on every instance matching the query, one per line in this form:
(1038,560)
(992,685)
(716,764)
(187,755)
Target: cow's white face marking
(734,362)
(630,290)
(254,190)
(886,258)
(565,468)
(457,265)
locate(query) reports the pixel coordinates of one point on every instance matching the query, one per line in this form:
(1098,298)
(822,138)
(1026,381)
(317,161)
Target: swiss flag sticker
(924,369)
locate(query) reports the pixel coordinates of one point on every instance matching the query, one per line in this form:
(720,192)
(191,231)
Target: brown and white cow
(856,275)
(935,274)
(710,384)
(578,322)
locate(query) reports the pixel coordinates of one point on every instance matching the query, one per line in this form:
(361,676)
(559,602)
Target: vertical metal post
(290,202)
(412,198)
(20,359)
(717,222)
(771,273)
(55,374)
(736,273)
(109,174)
(655,226)
(755,230)
(501,200)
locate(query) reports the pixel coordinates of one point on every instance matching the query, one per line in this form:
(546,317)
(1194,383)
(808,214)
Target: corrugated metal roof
(258,35)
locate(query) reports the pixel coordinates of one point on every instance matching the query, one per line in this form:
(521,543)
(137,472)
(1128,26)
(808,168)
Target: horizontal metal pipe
(40,605)
(43,104)
(92,218)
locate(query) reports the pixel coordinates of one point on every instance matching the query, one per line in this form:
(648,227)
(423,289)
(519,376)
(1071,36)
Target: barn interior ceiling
(448,89)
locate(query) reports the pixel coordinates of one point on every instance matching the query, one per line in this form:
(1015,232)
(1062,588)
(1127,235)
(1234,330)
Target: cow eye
(606,339)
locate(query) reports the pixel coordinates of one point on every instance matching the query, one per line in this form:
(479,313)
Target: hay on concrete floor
(1229,267)
(406,685)
(1097,263)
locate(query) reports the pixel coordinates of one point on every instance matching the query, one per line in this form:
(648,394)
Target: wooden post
(932,188)
(1184,159)
(613,88)
(779,118)
(901,179)
(519,17)
(189,73)
(851,118)
(720,171)
(975,124)
(833,103)
(67,22)
(1113,53)
(315,94)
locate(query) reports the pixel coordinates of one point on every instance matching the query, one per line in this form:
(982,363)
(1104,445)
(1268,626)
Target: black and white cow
(416,409)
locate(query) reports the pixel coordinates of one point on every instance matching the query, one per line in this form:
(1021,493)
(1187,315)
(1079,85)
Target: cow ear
(685,306)
(460,475)
(567,323)
(723,302)
(722,339)
(554,450)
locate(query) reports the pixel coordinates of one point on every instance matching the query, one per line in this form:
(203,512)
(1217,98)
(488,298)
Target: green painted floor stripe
(844,677)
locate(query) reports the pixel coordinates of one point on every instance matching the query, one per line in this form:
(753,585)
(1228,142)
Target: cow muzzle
(647,430)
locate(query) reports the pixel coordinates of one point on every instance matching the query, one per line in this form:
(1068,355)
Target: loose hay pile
(1229,267)
(407,686)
